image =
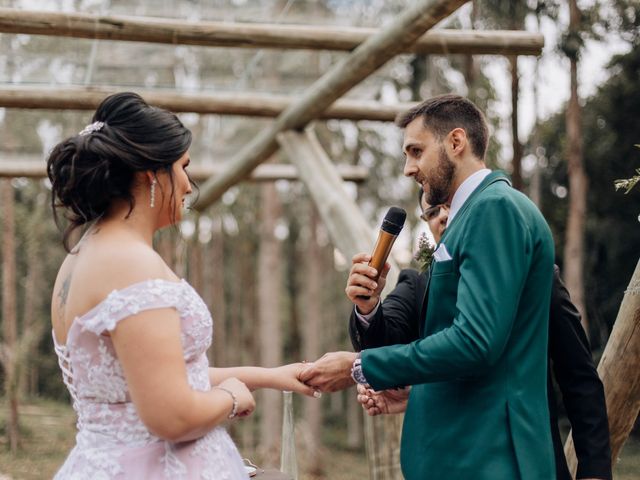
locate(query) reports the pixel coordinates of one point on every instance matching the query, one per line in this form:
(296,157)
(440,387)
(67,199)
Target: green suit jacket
(478,406)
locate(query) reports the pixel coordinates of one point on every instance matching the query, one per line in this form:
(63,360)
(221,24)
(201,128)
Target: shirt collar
(465,190)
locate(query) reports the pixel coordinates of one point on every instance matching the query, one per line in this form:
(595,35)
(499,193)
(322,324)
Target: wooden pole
(31,166)
(363,61)
(262,35)
(620,373)
(229,103)
(351,234)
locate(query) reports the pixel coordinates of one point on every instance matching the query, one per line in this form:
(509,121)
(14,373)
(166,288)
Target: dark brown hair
(88,171)
(447,112)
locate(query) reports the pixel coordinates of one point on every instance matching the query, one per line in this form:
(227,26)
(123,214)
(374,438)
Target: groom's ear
(456,142)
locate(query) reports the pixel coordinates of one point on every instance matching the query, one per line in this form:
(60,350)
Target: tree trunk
(354,421)
(470,65)
(620,372)
(32,301)
(312,337)
(9,313)
(293,291)
(269,295)
(244,326)
(535,187)
(216,267)
(578,186)
(194,259)
(516,175)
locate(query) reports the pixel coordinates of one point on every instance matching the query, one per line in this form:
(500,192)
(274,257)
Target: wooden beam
(351,70)
(35,168)
(248,104)
(248,35)
(348,228)
(619,370)
(351,234)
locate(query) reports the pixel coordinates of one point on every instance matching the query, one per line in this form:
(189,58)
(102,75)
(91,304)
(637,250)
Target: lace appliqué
(215,446)
(172,467)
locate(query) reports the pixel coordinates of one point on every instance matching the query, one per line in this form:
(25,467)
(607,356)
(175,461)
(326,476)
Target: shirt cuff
(366,319)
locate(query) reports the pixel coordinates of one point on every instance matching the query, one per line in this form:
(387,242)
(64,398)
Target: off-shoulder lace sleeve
(131,300)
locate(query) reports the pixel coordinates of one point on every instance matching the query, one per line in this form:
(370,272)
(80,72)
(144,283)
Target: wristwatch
(356,371)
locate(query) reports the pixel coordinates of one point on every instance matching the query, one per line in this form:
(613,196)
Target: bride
(131,337)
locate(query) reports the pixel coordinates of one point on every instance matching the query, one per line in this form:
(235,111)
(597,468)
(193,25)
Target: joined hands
(330,373)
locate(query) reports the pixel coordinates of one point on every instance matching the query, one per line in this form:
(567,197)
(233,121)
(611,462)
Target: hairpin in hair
(89,129)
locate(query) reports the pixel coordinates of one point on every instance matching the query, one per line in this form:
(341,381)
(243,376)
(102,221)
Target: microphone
(391,227)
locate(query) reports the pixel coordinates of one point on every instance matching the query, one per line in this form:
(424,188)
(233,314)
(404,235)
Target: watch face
(356,372)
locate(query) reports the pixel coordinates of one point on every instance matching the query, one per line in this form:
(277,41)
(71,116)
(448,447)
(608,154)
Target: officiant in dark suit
(396,320)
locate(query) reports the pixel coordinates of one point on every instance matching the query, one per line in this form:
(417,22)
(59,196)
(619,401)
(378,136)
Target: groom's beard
(441,181)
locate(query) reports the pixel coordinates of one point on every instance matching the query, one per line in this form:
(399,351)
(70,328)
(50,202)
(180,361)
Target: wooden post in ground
(619,370)
(362,62)
(351,234)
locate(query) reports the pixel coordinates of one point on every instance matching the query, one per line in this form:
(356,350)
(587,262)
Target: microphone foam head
(394,220)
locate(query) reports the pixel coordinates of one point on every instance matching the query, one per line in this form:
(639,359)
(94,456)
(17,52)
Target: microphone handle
(380,254)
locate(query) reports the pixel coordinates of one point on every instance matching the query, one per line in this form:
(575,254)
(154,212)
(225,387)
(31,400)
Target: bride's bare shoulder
(117,262)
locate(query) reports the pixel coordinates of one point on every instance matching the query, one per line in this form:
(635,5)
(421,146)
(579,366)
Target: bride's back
(106,259)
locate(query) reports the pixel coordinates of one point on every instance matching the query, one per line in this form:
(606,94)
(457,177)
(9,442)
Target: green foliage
(628,183)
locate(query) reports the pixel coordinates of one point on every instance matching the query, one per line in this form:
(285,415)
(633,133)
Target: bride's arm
(149,349)
(279,378)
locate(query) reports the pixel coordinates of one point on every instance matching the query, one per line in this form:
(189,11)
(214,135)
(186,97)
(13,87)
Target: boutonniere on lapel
(424,254)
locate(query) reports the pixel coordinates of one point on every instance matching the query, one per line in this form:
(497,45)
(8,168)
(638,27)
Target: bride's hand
(286,379)
(246,402)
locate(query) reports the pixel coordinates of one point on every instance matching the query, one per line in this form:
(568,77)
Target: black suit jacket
(398,320)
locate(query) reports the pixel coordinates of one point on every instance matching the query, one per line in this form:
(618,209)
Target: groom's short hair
(444,113)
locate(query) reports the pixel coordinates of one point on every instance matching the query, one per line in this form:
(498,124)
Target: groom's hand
(384,402)
(362,289)
(330,373)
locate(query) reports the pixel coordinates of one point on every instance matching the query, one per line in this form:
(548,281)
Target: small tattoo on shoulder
(64,291)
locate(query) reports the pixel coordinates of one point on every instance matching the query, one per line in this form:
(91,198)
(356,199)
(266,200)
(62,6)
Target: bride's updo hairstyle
(90,170)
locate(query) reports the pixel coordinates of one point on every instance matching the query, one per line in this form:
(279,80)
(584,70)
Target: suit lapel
(423,309)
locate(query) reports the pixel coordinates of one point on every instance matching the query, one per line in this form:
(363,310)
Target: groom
(478,406)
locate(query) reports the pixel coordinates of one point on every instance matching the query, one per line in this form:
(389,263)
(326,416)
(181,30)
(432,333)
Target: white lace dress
(112,442)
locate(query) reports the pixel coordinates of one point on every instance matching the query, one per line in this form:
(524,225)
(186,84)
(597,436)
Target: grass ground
(49,431)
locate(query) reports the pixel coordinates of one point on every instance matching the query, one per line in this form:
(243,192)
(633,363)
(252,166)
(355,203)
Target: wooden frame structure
(252,35)
(231,103)
(368,50)
(32,166)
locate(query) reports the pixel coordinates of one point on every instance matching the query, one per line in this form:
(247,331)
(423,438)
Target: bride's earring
(153,192)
